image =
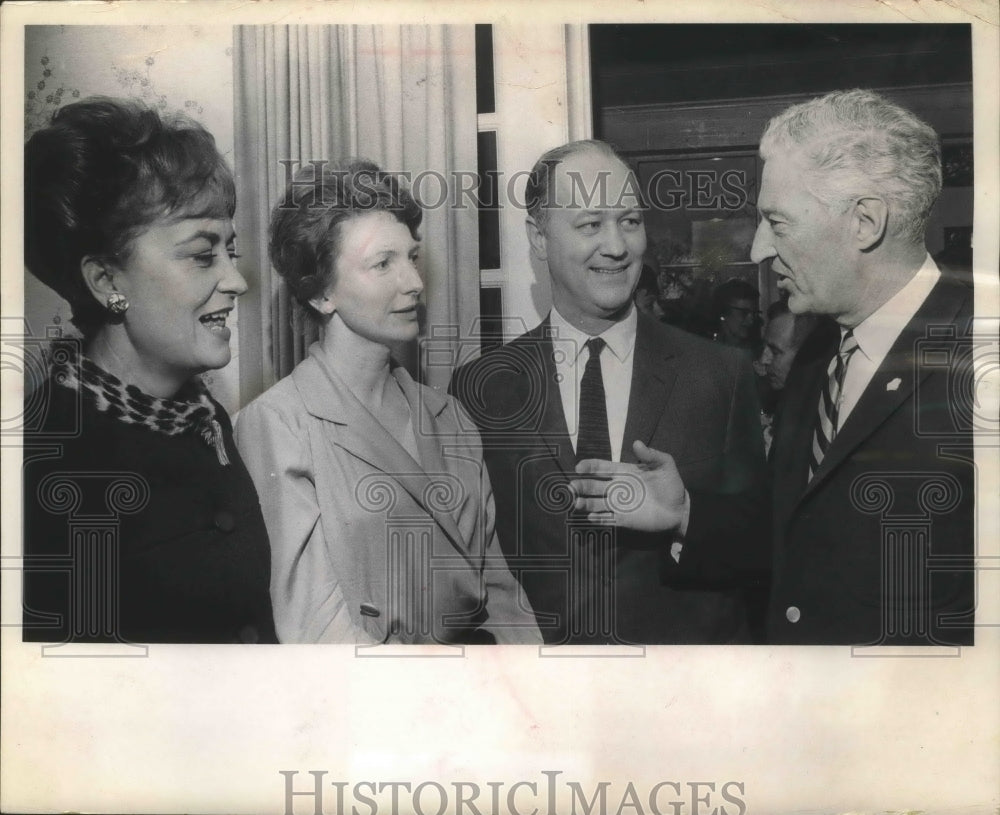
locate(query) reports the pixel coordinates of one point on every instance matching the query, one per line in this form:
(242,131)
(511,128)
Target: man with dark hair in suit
(599,380)
(873,475)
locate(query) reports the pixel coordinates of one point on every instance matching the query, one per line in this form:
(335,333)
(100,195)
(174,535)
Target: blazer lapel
(354,429)
(654,371)
(426,406)
(892,385)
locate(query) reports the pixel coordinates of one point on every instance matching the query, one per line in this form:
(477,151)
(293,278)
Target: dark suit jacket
(874,549)
(690,398)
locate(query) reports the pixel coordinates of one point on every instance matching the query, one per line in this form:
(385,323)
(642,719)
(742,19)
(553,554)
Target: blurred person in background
(737,308)
(647,293)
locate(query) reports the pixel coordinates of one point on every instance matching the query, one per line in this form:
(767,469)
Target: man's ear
(98,277)
(536,237)
(871,219)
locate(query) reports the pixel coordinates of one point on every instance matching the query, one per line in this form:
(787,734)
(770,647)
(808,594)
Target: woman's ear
(323,304)
(98,277)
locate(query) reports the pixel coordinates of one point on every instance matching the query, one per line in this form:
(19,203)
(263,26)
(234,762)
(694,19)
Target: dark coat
(877,547)
(690,398)
(141,536)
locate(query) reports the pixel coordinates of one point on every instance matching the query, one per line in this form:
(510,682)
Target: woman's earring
(117,303)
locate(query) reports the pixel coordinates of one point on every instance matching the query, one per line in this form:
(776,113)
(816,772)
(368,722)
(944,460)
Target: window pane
(489,212)
(485,98)
(491,312)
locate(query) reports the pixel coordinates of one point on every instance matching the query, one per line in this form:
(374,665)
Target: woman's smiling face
(181,282)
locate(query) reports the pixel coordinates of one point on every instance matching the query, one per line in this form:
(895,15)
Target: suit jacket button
(224,521)
(370,610)
(792,614)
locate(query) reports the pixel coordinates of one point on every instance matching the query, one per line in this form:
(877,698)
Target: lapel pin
(893,385)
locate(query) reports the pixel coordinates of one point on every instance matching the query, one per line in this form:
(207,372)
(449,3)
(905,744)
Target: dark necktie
(829,402)
(593,439)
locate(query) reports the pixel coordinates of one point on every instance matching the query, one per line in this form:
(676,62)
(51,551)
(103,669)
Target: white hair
(855,143)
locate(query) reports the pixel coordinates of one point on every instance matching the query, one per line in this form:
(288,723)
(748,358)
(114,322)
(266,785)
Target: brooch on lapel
(893,385)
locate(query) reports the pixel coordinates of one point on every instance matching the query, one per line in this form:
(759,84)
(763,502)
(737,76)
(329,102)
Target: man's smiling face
(593,238)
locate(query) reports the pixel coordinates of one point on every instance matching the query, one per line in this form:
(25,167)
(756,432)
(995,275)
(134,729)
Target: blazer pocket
(373,621)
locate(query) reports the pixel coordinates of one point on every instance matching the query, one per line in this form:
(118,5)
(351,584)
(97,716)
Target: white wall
(538,108)
(543,99)
(190,68)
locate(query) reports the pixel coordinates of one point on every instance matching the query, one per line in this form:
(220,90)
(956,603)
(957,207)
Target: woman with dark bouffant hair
(377,502)
(141,522)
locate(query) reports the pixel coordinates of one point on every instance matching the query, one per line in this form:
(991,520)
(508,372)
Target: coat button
(249,634)
(792,614)
(369,610)
(224,521)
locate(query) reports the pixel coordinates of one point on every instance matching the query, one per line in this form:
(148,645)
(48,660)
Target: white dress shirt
(570,356)
(877,333)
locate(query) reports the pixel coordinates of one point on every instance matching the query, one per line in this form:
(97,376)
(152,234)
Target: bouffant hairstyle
(101,173)
(304,238)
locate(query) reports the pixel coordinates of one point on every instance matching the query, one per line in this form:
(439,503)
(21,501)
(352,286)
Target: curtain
(402,96)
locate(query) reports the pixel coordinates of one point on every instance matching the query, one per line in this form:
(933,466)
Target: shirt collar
(880,329)
(620,337)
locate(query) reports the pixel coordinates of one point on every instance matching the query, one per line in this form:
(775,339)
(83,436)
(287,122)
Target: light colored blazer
(368,545)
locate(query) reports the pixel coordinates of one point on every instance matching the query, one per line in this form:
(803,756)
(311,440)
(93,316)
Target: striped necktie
(593,440)
(829,402)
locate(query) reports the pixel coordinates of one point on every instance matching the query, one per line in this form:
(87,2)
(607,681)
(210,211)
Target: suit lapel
(892,385)
(552,426)
(654,371)
(798,421)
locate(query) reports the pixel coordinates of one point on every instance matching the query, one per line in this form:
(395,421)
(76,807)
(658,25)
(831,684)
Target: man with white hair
(873,476)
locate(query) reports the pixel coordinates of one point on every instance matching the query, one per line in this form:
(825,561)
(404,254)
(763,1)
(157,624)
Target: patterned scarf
(194,412)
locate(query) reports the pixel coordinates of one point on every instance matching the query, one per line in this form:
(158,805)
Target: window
(490,276)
